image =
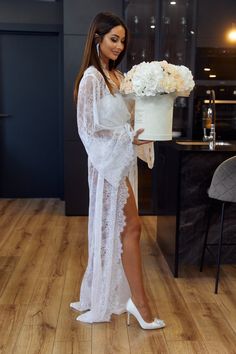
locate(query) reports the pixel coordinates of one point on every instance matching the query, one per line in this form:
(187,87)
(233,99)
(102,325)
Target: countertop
(191,145)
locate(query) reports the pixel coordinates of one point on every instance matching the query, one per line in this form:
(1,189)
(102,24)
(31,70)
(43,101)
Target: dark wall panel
(78,14)
(30,12)
(73,50)
(76,177)
(19,18)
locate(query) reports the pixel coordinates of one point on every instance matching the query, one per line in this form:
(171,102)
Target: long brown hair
(101,24)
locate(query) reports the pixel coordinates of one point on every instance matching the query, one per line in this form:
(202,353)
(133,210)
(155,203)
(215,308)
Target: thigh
(130,210)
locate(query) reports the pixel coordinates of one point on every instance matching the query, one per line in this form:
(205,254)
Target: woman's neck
(104,63)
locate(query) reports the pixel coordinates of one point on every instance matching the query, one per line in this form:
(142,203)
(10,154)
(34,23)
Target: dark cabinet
(162,30)
(215,67)
(182,183)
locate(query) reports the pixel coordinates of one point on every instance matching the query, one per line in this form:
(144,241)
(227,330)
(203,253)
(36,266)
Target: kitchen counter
(191,145)
(184,173)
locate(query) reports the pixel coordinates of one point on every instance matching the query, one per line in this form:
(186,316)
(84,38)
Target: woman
(114,226)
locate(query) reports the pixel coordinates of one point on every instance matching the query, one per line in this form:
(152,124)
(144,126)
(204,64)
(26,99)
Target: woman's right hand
(136,141)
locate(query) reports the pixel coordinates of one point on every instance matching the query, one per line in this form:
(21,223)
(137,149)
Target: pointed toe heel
(132,309)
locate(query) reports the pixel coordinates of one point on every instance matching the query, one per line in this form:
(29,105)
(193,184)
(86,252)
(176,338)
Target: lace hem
(118,292)
(123,197)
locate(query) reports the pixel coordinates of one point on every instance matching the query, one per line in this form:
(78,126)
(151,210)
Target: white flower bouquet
(156,77)
(155,85)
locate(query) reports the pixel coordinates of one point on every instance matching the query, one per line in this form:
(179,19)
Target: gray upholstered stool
(223,189)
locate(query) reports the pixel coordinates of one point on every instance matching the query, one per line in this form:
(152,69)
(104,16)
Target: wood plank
(11,321)
(143,341)
(11,211)
(213,326)
(111,337)
(186,347)
(165,295)
(7,267)
(72,347)
(21,284)
(202,311)
(199,287)
(68,329)
(36,215)
(226,302)
(44,308)
(35,339)
(42,261)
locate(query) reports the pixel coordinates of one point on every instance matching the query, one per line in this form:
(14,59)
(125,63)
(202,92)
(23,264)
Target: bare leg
(131,256)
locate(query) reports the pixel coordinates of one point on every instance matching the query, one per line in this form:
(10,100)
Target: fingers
(136,141)
(138,132)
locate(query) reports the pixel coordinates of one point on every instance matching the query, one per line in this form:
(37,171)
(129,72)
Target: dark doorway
(30,118)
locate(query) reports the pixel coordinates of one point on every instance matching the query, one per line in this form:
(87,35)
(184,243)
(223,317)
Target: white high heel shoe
(75,306)
(132,309)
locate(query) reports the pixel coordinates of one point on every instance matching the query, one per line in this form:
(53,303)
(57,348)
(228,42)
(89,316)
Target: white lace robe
(104,128)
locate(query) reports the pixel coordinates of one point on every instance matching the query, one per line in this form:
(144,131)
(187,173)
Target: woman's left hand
(136,141)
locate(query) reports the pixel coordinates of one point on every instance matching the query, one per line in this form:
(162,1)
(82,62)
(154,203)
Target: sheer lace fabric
(105,130)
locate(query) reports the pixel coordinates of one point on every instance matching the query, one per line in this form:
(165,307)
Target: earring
(97,49)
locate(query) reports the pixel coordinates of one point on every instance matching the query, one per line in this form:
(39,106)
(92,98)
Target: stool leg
(206,236)
(220,247)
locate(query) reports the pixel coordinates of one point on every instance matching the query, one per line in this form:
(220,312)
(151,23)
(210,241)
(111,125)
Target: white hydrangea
(150,79)
(127,84)
(187,83)
(147,78)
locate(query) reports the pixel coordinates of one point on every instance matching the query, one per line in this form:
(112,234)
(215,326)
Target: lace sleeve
(146,153)
(109,149)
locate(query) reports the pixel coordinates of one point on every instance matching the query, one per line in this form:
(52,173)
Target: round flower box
(155,115)
(155,85)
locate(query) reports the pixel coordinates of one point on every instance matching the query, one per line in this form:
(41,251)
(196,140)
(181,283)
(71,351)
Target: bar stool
(223,189)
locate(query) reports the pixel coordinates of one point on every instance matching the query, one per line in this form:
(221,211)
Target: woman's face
(112,44)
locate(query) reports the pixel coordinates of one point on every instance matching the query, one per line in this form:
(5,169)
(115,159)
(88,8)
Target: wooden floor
(42,259)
